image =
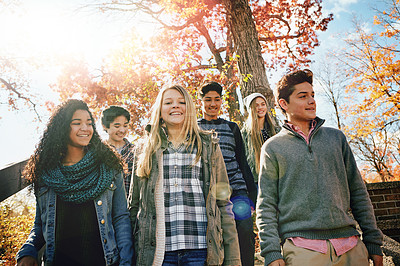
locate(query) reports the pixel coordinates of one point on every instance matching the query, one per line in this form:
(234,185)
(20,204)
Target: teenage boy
(311,193)
(115,122)
(240,176)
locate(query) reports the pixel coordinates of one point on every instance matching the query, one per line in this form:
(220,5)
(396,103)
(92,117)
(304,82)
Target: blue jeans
(190,257)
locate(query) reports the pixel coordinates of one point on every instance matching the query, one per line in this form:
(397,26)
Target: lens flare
(241,207)
(223,191)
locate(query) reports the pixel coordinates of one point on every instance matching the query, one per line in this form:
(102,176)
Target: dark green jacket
(248,146)
(146,205)
(250,155)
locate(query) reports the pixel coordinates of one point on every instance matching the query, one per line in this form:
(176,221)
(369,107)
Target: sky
(62,29)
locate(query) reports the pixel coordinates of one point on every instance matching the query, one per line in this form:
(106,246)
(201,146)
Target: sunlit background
(48,32)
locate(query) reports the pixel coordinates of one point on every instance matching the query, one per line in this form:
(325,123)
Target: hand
(279,262)
(27,261)
(377,260)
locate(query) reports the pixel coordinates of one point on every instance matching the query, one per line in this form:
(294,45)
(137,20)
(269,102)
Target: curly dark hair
(52,147)
(285,86)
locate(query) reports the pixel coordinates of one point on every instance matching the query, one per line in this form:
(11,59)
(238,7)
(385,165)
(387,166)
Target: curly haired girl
(81,209)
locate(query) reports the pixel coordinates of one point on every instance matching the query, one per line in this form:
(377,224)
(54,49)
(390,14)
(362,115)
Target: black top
(77,239)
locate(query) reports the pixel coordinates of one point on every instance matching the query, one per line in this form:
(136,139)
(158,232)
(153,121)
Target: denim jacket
(113,219)
(147,214)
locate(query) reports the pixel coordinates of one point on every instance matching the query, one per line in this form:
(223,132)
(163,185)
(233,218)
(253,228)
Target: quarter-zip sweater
(311,191)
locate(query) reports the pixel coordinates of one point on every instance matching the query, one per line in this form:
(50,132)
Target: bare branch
(203,30)
(198,67)
(12,88)
(304,61)
(283,37)
(287,36)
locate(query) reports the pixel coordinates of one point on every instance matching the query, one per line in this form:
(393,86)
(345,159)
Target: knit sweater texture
(312,190)
(233,151)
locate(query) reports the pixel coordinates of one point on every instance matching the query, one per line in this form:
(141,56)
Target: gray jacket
(146,205)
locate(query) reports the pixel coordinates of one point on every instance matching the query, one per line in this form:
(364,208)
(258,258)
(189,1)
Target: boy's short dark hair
(113,112)
(286,85)
(210,86)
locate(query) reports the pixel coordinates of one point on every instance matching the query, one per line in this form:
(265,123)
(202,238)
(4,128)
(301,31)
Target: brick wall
(385,198)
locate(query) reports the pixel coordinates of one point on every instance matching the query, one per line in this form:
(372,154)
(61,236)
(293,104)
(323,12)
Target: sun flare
(53,32)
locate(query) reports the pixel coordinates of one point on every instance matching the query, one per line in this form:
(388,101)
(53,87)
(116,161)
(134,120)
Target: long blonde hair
(152,142)
(254,130)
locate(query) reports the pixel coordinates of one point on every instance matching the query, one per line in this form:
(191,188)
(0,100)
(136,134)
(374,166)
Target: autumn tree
(234,40)
(372,60)
(127,78)
(380,151)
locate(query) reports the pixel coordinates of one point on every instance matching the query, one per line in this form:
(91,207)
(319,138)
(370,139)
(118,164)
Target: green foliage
(14,230)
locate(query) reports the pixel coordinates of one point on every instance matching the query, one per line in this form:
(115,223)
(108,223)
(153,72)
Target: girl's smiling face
(260,106)
(173,109)
(81,129)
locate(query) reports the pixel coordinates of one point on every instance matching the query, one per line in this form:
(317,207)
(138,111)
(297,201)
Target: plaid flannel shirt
(127,154)
(185,207)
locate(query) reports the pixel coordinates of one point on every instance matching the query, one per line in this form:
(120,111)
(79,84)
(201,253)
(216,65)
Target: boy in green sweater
(311,194)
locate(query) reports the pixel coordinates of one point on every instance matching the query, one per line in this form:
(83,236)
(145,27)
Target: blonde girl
(257,129)
(179,195)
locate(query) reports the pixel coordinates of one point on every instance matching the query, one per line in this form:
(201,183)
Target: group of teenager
(185,192)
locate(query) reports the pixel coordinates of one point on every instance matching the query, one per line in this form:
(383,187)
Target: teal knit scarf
(80,182)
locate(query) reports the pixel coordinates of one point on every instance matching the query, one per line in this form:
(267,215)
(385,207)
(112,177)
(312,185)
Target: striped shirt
(232,148)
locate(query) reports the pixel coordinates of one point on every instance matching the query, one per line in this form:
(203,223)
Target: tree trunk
(246,45)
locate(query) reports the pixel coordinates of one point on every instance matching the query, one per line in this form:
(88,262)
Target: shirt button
(105,241)
(112,185)
(99,203)
(175,166)
(176,185)
(102,221)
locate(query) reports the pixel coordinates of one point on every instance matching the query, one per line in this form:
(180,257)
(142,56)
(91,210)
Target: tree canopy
(232,42)
(372,61)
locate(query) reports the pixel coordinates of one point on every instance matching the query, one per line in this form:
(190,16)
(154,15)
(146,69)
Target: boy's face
(302,106)
(118,129)
(210,105)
